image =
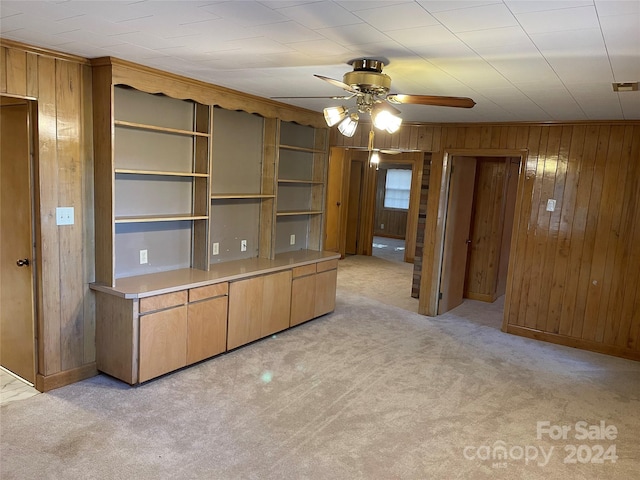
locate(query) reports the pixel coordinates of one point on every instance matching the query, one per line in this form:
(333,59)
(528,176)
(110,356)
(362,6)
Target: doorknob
(23,262)
(468,242)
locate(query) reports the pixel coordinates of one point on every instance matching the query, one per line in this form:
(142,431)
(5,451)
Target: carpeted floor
(372,391)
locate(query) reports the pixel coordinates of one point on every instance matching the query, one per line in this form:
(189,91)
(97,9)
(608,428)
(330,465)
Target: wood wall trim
(573,342)
(45,383)
(41,51)
(151,80)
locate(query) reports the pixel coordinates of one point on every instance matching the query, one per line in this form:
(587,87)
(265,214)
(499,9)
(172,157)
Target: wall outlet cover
(144,257)
(243,245)
(551,205)
(292,239)
(215,250)
(64,216)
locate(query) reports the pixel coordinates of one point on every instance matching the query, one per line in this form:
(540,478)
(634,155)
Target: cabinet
(206,199)
(313,291)
(302,166)
(258,307)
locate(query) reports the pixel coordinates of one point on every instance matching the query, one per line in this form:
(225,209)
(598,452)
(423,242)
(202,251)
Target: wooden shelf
(292,213)
(159,218)
(133,171)
(300,149)
(301,182)
(240,196)
(153,128)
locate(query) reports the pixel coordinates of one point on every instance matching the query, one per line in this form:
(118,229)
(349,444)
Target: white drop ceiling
(519,60)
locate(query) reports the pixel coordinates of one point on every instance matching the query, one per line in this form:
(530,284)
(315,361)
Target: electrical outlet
(143,257)
(382,226)
(243,245)
(292,239)
(215,249)
(64,215)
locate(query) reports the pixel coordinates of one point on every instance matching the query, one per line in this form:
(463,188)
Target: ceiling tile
(444,5)
(396,17)
(353,34)
(320,47)
(479,39)
(524,6)
(246,14)
(558,20)
(357,5)
(320,15)
(477,18)
(421,36)
(287,32)
(606,8)
(585,42)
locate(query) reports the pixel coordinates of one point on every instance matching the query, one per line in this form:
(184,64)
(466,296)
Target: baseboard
(574,342)
(482,297)
(57,380)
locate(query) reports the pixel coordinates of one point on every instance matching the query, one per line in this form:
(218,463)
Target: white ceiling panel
(546,60)
(477,18)
(562,20)
(396,17)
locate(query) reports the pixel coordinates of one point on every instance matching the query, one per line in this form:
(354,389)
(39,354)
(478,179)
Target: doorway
(481,201)
(17,310)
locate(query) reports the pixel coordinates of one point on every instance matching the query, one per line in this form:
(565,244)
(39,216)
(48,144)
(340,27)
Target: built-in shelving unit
(208,220)
(302,165)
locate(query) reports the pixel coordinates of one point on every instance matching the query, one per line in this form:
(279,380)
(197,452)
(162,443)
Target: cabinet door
(163,342)
(245,311)
(325,292)
(303,294)
(276,304)
(206,329)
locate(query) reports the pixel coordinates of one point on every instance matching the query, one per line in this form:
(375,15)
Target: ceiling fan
(370,87)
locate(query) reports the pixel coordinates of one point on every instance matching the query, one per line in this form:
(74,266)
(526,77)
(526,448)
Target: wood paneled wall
(61,87)
(574,274)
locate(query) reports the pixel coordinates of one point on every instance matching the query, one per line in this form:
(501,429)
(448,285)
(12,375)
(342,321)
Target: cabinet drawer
(210,291)
(328,265)
(304,270)
(158,302)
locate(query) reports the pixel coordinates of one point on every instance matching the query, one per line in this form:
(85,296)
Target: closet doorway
(17,312)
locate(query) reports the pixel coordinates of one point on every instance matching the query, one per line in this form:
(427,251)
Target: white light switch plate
(551,205)
(64,216)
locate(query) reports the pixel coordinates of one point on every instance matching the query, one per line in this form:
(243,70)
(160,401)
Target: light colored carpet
(371,391)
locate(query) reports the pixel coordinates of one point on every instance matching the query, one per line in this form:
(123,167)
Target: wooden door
(353,208)
(163,342)
(206,329)
(276,302)
(17,348)
(333,230)
(245,311)
(303,299)
(456,237)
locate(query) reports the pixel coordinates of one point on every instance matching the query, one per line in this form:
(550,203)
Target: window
(397,189)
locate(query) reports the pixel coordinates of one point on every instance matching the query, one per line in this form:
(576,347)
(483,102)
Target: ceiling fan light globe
(393,124)
(385,120)
(333,115)
(347,127)
(375,157)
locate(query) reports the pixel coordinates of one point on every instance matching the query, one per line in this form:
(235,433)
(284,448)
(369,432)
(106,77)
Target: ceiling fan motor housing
(367,77)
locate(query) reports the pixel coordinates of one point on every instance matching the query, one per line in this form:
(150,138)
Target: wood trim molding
(572,342)
(151,80)
(43,51)
(45,383)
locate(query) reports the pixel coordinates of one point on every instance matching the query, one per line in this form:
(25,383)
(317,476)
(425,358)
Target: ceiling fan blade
(338,97)
(461,102)
(338,83)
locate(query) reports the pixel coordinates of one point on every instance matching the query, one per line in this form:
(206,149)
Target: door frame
(437,204)
(32,135)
